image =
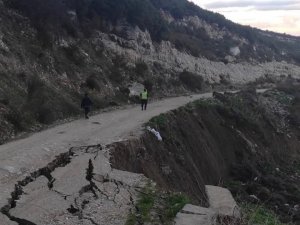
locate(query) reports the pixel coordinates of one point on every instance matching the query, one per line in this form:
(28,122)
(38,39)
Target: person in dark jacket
(86,104)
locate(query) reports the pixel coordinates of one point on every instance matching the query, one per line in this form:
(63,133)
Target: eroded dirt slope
(248,142)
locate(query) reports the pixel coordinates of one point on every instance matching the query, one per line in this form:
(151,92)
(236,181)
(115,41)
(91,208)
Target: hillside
(76,173)
(52,52)
(188,27)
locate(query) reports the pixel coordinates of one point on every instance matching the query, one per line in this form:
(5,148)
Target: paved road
(21,157)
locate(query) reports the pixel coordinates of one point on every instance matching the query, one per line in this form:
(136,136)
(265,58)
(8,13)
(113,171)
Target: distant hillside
(190,28)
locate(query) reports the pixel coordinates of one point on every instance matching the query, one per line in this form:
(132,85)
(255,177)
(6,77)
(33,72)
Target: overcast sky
(278,15)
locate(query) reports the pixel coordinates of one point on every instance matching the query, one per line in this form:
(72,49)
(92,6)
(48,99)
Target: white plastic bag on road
(156,133)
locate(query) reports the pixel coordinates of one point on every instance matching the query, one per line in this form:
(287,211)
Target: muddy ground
(247,142)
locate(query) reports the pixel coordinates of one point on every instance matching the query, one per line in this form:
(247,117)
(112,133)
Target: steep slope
(247,142)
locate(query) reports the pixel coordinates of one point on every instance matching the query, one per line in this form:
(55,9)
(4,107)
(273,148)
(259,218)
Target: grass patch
(281,96)
(232,184)
(201,103)
(131,220)
(205,102)
(158,121)
(156,207)
(173,204)
(259,215)
(145,204)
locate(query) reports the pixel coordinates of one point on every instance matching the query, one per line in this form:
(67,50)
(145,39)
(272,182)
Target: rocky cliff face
(139,46)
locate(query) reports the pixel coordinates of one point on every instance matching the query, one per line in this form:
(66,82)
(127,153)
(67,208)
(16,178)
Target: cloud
(266,5)
(276,15)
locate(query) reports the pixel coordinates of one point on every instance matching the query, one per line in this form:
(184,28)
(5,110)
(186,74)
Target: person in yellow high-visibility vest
(144,99)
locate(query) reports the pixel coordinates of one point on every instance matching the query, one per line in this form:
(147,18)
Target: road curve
(21,157)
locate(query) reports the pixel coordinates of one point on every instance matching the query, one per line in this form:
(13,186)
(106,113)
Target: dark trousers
(144,104)
(86,111)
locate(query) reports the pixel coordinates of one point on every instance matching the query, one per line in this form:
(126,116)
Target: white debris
(254,197)
(156,133)
(235,51)
(135,89)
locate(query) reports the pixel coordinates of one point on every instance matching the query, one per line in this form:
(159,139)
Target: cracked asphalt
(43,177)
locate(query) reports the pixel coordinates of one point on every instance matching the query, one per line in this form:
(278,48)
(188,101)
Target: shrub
(34,84)
(14,116)
(141,68)
(48,17)
(258,214)
(174,203)
(148,85)
(47,104)
(158,121)
(92,83)
(116,75)
(73,54)
(191,80)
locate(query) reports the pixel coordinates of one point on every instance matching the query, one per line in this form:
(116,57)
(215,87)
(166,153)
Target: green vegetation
(131,220)
(146,203)
(155,206)
(144,206)
(283,98)
(206,102)
(158,121)
(141,68)
(174,203)
(52,18)
(192,81)
(46,104)
(201,103)
(259,215)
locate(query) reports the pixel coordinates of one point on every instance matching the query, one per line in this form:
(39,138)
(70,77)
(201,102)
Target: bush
(158,121)
(16,118)
(289,86)
(141,68)
(92,83)
(116,75)
(48,17)
(174,203)
(191,81)
(46,104)
(46,114)
(34,84)
(148,85)
(73,54)
(253,214)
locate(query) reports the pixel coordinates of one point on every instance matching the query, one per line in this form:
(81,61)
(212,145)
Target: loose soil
(247,142)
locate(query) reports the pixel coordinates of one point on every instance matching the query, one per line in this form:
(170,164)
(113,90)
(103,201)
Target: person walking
(86,104)
(144,99)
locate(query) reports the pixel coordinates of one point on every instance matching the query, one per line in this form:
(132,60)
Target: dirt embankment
(246,142)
